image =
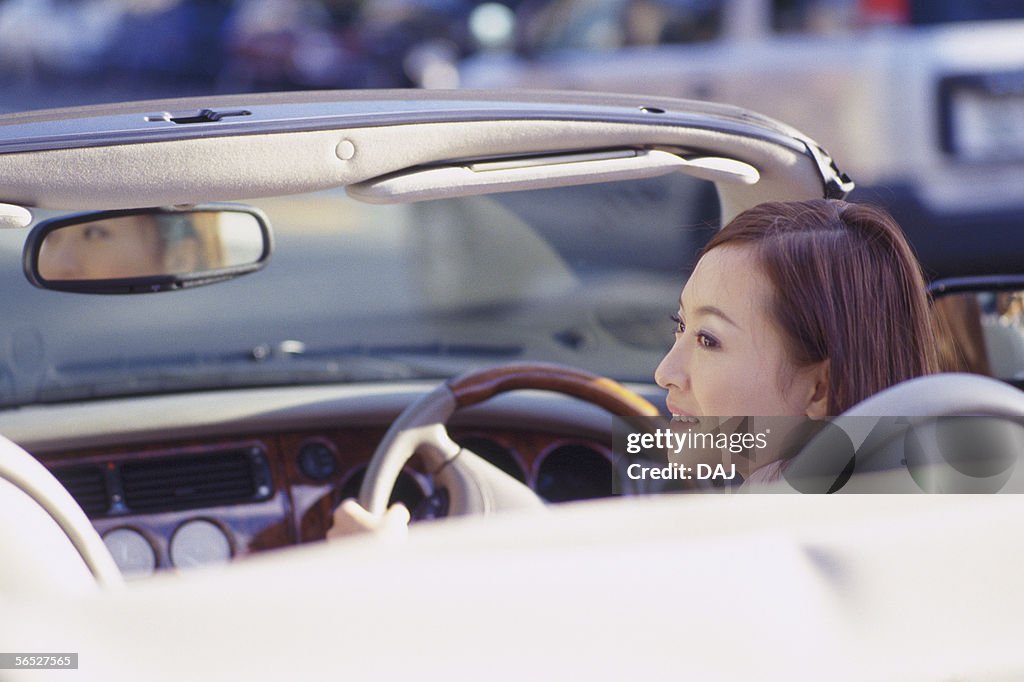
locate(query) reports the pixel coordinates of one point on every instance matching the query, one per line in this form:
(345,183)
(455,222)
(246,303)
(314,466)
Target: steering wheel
(47,539)
(474,485)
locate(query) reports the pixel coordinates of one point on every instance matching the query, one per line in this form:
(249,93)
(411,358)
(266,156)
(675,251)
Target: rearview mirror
(981,330)
(146,250)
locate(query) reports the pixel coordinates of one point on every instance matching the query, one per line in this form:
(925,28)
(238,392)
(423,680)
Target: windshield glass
(584,275)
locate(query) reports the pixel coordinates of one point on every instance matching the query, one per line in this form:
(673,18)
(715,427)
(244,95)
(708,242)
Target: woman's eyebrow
(709,310)
(712,310)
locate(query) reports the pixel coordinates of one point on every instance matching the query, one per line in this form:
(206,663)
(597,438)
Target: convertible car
(222,317)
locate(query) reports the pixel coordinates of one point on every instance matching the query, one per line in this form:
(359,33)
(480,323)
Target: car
(455,300)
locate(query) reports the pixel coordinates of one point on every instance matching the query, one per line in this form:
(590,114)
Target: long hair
(847,289)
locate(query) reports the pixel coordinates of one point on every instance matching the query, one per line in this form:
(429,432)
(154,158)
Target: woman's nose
(671,371)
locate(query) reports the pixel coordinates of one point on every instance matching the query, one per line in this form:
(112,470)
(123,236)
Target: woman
(798,309)
(127,246)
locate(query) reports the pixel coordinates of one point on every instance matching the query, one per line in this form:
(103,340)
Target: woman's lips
(680,415)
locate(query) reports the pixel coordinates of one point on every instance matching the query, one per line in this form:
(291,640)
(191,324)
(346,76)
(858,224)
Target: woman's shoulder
(769,473)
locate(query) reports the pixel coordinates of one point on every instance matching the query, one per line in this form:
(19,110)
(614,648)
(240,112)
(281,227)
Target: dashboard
(179,481)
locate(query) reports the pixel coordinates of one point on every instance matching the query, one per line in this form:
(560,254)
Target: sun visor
(14,216)
(543,171)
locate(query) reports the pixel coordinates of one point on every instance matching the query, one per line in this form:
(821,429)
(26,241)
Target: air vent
(88,486)
(190,482)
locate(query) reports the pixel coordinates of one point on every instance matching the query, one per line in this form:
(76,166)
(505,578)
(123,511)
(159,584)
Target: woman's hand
(350,518)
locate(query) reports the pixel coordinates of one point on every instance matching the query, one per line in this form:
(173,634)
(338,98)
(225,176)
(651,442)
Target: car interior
(175,431)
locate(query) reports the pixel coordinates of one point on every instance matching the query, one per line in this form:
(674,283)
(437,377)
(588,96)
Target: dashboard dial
(131,551)
(199,543)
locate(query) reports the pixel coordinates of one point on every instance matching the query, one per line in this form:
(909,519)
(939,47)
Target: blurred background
(920,101)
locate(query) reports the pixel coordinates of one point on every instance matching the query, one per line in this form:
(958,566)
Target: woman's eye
(707,341)
(680,326)
(95,232)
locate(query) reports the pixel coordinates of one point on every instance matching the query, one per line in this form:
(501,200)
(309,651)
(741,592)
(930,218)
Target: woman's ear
(817,402)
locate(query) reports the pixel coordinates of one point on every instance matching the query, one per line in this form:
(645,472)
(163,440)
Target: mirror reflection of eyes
(93,232)
(150,245)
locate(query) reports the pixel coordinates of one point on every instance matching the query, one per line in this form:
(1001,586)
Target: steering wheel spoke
(475,485)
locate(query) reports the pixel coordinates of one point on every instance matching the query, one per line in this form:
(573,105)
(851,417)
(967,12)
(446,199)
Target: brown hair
(847,289)
(959,336)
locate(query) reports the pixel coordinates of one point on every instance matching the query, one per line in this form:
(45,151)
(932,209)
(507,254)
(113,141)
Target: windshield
(582,275)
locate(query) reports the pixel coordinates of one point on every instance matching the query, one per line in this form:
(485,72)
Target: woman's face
(121,247)
(125,247)
(729,358)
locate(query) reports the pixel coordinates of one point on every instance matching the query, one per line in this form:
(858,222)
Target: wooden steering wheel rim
(476,387)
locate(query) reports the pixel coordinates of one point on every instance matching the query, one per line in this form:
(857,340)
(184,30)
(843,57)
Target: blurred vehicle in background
(305,44)
(102,50)
(42,38)
(56,52)
(922,99)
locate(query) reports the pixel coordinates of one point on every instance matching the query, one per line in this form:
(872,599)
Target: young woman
(798,309)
